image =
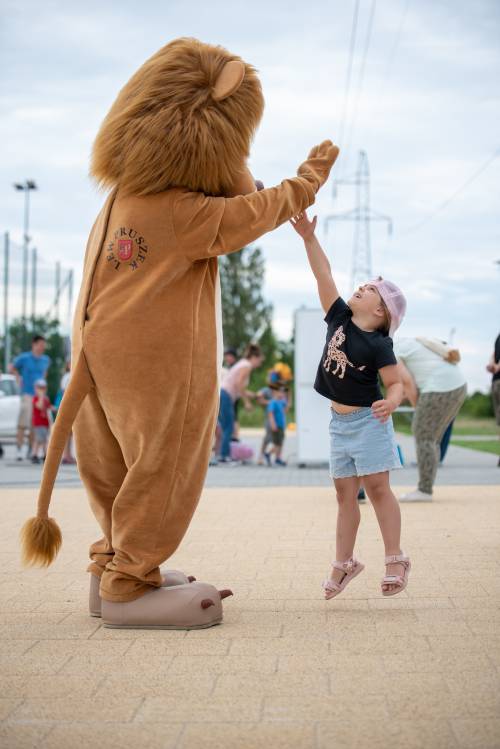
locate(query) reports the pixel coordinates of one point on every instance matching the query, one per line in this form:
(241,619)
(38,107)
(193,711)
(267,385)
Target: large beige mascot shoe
(192,606)
(169,577)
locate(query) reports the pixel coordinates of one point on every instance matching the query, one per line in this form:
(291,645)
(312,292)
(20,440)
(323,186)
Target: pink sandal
(351,568)
(398,580)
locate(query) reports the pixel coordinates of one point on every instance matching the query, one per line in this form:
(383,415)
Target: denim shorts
(360,445)
(41,433)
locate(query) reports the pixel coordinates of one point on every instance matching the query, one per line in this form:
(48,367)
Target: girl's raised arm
(318,261)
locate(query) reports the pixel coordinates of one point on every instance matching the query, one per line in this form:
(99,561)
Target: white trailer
(312,411)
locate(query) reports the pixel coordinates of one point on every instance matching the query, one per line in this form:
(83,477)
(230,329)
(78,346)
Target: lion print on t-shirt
(334,354)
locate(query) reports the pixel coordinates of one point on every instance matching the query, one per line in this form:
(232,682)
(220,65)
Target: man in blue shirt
(29,367)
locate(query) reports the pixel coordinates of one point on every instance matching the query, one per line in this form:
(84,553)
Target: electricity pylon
(361,270)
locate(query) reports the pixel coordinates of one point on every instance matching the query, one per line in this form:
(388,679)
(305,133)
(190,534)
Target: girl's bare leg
(388,514)
(348,517)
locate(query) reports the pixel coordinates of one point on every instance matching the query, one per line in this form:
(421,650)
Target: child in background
(276,415)
(264,398)
(41,419)
(362,444)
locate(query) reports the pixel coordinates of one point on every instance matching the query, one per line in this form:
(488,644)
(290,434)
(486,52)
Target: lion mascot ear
(229,80)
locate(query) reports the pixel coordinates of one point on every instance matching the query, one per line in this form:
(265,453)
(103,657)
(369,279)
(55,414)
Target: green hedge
(478,405)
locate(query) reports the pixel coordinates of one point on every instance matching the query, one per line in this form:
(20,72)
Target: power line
(392,54)
(452,197)
(352,45)
(388,66)
(39,278)
(361,75)
(362,215)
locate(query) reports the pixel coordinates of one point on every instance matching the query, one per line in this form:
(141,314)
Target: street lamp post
(25,187)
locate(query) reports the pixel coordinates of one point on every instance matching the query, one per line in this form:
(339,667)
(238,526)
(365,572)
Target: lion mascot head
(186,118)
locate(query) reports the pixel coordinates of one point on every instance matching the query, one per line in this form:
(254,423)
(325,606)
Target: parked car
(10,401)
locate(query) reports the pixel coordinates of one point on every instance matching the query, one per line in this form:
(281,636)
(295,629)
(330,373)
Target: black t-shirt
(348,370)
(496,376)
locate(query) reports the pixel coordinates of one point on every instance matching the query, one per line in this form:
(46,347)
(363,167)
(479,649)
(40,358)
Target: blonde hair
(167,129)
(385,325)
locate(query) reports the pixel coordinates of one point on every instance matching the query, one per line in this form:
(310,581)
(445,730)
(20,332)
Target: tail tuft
(41,540)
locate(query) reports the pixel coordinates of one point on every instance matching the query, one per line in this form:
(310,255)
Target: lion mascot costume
(146,343)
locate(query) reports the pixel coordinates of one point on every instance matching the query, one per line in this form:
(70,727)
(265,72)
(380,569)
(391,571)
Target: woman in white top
(233,386)
(435,385)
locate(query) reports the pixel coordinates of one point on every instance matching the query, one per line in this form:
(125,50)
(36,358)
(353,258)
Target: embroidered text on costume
(126,247)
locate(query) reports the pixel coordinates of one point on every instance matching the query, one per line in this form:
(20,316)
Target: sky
(423,103)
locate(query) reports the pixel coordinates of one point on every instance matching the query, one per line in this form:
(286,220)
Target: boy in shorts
(276,418)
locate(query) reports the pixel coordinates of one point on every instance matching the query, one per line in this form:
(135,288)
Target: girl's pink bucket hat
(394,300)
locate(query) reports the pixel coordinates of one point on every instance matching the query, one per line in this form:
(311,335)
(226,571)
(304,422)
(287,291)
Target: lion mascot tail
(41,537)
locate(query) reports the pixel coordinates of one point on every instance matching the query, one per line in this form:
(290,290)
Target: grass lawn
(467,425)
(487,446)
(402,423)
(463,425)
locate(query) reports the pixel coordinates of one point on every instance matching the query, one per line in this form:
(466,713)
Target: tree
(269,346)
(245,313)
(57,346)
(246,316)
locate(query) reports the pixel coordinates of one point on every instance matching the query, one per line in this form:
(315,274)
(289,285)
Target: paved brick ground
(286,669)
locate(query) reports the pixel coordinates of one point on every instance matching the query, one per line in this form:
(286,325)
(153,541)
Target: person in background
(230,359)
(263,398)
(41,420)
(233,386)
(435,385)
(276,414)
(493,367)
(29,367)
(445,442)
(67,458)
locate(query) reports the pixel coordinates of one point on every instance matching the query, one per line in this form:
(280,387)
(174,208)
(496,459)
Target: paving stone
(147,649)
(210,710)
(112,736)
(217,664)
(22,686)
(15,736)
(8,706)
(286,735)
(309,707)
(278,684)
(411,734)
(278,646)
(80,648)
(115,708)
(30,663)
(102,664)
(13,648)
(477,733)
(181,687)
